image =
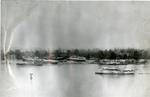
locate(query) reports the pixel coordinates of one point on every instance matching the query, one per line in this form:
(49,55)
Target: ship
(115,71)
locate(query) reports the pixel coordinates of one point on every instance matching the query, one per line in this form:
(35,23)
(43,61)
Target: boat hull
(102,73)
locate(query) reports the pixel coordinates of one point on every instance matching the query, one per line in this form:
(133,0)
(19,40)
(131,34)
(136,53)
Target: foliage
(87,53)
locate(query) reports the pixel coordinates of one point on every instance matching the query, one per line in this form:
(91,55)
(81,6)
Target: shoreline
(98,62)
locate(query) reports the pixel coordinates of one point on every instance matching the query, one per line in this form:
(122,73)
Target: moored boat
(51,61)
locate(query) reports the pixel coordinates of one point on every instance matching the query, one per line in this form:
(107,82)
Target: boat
(38,62)
(117,62)
(115,71)
(51,61)
(24,62)
(110,62)
(142,61)
(21,63)
(77,59)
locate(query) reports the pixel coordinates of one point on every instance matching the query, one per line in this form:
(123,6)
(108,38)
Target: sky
(86,25)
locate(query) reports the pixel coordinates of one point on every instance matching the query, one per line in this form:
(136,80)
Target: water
(73,80)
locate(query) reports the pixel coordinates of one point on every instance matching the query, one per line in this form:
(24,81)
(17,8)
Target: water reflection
(73,81)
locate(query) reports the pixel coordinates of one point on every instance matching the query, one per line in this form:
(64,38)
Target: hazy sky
(45,24)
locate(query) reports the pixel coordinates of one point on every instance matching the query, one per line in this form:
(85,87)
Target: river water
(72,80)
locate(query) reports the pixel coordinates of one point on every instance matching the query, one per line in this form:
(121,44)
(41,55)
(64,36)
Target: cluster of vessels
(37,62)
(113,67)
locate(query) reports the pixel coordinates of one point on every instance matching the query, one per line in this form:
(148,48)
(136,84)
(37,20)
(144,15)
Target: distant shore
(99,62)
(79,56)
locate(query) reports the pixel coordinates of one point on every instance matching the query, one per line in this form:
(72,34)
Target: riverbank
(67,61)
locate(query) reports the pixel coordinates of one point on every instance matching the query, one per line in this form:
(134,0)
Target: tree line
(129,53)
(104,54)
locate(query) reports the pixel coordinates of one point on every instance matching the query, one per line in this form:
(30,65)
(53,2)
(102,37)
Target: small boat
(21,63)
(38,62)
(51,61)
(77,59)
(31,62)
(115,71)
(24,62)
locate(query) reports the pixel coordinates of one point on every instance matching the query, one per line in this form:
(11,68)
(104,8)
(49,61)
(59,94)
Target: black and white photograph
(74,48)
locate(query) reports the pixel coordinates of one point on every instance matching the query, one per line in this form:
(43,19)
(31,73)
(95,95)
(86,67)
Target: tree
(136,55)
(18,54)
(2,55)
(41,54)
